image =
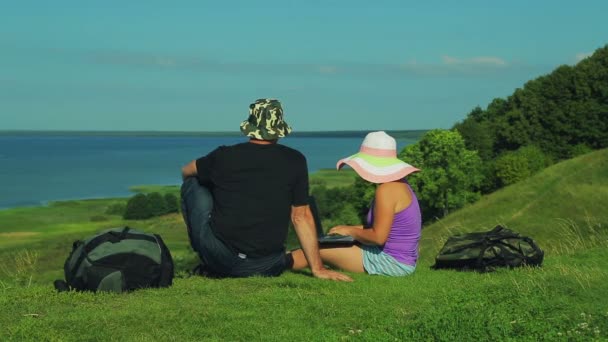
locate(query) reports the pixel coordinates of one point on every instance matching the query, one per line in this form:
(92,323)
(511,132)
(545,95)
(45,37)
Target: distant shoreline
(399,134)
(115,160)
(132,189)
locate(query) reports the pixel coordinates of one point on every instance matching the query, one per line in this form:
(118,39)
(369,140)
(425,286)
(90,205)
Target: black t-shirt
(254,187)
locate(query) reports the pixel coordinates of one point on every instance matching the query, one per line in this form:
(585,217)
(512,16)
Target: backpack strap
(496,229)
(75,244)
(61,285)
(480,265)
(124,232)
(166,263)
(115,236)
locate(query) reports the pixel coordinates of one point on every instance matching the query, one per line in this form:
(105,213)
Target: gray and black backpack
(484,251)
(117,260)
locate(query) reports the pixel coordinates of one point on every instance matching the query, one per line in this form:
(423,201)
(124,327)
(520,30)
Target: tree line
(553,117)
(563,114)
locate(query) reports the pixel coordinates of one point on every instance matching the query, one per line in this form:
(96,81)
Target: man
(237,202)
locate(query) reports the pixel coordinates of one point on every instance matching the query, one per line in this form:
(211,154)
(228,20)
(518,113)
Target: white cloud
(327,69)
(165,61)
(448,66)
(582,55)
(480,60)
(449,60)
(488,60)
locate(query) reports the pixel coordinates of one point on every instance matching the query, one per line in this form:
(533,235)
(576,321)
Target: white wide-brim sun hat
(377,160)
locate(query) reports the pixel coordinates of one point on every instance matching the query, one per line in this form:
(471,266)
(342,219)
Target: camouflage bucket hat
(265,121)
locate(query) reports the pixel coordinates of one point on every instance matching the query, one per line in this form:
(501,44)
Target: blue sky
(335,65)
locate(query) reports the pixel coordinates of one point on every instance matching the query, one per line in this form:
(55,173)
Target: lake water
(37,169)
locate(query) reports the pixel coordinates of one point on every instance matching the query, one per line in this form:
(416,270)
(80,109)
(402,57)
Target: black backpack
(484,251)
(117,260)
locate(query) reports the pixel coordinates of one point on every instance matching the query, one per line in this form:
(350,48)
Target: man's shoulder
(292,152)
(277,150)
(229,148)
(295,158)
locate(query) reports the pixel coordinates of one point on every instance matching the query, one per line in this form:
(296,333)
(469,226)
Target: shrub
(347,214)
(143,206)
(511,168)
(172,203)
(317,182)
(329,200)
(339,204)
(361,195)
(579,149)
(156,204)
(537,159)
(137,208)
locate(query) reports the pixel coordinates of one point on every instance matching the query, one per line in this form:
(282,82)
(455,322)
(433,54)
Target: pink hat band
(377,152)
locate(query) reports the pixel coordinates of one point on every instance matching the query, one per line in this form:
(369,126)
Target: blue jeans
(216,257)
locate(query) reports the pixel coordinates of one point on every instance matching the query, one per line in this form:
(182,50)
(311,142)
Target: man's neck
(263,142)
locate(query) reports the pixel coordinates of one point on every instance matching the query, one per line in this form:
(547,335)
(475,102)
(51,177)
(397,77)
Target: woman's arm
(384,211)
(345,226)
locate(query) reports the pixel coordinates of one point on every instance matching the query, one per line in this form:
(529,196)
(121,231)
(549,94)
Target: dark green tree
(554,112)
(478,136)
(335,205)
(361,196)
(172,203)
(137,208)
(156,204)
(345,215)
(450,176)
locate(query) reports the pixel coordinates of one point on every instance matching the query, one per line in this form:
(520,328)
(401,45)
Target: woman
(390,246)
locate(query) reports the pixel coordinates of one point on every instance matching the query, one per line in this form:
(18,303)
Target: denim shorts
(375,261)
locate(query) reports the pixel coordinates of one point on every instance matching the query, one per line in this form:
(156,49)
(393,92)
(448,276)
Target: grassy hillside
(562,208)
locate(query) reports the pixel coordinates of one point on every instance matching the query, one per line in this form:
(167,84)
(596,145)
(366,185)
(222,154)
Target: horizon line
(192,132)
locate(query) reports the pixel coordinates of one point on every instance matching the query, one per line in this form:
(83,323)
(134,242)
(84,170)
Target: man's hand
(304,226)
(189,170)
(331,275)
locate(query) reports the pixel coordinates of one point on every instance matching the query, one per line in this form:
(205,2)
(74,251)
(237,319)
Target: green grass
(332,178)
(559,207)
(562,208)
(163,189)
(22,226)
(563,299)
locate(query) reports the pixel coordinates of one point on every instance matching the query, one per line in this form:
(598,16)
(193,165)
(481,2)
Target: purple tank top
(402,242)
